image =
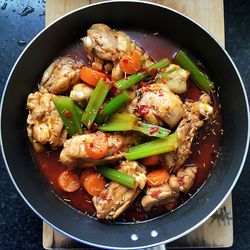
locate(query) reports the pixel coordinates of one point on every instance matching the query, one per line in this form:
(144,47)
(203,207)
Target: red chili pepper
(104,194)
(143,69)
(93,127)
(153,130)
(67,113)
(114,91)
(86,131)
(143,84)
(108,78)
(143,110)
(155,193)
(118,167)
(153,73)
(161,93)
(180,181)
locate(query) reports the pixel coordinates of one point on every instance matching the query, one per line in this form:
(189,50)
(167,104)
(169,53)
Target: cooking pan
(122,15)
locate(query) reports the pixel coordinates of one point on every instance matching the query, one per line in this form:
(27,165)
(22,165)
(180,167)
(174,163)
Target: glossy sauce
(204,149)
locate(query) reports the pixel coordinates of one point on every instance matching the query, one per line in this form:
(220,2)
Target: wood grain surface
(208,13)
(217,231)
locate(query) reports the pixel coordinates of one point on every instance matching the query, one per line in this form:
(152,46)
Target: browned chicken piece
(160,195)
(106,46)
(176,79)
(184,179)
(116,198)
(156,103)
(101,42)
(60,76)
(81,93)
(44,123)
(74,152)
(195,115)
(169,192)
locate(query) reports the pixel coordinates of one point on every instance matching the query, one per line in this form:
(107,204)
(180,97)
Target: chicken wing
(169,191)
(116,198)
(74,153)
(60,76)
(106,46)
(176,79)
(156,103)
(44,123)
(101,41)
(195,114)
(81,93)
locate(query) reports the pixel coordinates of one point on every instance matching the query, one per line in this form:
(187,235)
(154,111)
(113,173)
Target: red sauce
(204,149)
(51,168)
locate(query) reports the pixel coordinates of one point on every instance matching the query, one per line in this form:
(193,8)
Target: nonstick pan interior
(142,17)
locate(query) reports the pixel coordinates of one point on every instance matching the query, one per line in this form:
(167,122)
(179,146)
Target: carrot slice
(130,62)
(97,147)
(157,177)
(91,76)
(93,182)
(151,160)
(69,181)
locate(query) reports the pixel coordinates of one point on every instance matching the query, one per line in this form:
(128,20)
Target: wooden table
(217,231)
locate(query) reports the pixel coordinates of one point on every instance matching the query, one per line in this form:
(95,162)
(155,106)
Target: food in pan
(124,125)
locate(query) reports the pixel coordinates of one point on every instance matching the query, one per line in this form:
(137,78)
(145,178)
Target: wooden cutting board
(208,13)
(217,231)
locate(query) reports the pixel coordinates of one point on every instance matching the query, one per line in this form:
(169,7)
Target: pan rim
(243,158)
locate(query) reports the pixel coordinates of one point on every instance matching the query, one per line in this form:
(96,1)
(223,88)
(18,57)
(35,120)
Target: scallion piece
(96,100)
(67,110)
(79,112)
(134,79)
(200,79)
(117,176)
(113,106)
(152,130)
(131,81)
(120,122)
(158,146)
(126,122)
(164,74)
(159,64)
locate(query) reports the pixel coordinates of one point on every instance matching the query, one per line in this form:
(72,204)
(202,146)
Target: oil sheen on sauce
(204,149)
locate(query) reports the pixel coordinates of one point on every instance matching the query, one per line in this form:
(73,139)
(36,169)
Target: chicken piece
(195,114)
(81,93)
(116,198)
(44,123)
(106,46)
(60,76)
(169,159)
(160,195)
(101,42)
(124,43)
(184,179)
(169,192)
(74,153)
(176,80)
(156,103)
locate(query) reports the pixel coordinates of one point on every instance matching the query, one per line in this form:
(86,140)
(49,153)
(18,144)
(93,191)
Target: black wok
(124,15)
